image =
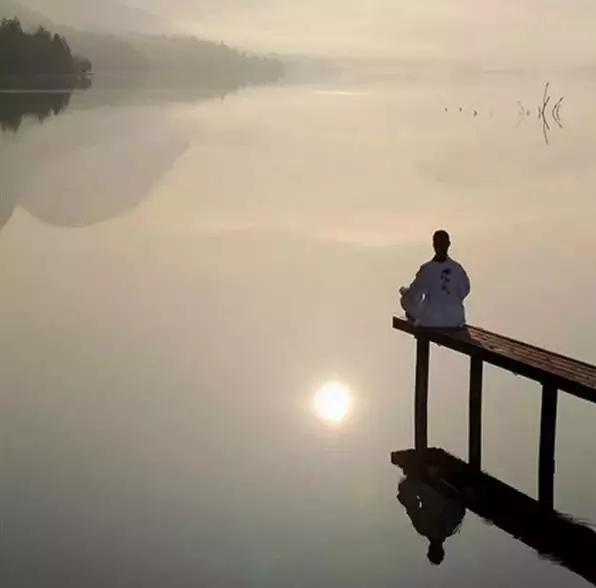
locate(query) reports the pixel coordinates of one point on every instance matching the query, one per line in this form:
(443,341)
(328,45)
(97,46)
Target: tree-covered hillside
(42,53)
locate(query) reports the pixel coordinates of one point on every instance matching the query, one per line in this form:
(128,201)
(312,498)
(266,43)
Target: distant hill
(99,16)
(31,55)
(172,57)
(106,52)
(133,53)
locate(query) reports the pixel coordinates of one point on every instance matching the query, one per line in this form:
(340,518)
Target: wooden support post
(475,414)
(548,424)
(421,400)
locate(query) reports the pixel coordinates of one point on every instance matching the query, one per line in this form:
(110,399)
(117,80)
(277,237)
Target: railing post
(421,400)
(548,424)
(475,414)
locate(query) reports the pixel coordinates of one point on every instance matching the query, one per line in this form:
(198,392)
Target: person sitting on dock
(436,296)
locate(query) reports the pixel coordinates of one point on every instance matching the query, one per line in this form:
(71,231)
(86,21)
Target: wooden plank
(548,429)
(555,536)
(567,374)
(421,398)
(475,414)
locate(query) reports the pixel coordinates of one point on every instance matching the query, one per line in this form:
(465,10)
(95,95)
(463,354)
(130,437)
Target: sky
(504,31)
(557,30)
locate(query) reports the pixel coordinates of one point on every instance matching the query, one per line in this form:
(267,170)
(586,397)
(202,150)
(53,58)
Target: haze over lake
(201,382)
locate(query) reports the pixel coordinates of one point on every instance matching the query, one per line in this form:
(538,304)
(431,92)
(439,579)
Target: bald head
(441,243)
(436,553)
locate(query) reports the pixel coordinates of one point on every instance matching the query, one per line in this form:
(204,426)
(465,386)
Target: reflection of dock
(553,535)
(555,372)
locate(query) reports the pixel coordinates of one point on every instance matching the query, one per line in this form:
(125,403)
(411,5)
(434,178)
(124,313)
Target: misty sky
(489,29)
(505,31)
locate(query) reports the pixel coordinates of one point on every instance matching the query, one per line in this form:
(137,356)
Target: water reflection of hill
(39,97)
(102,163)
(127,90)
(106,157)
(108,91)
(15,106)
(109,169)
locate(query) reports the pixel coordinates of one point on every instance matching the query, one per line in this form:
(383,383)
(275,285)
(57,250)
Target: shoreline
(39,82)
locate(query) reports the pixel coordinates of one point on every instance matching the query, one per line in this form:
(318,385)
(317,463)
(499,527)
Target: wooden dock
(552,371)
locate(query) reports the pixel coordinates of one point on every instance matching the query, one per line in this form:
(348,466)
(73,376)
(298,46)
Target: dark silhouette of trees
(24,54)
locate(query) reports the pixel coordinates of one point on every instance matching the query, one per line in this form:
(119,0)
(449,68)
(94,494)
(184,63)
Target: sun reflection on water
(332,402)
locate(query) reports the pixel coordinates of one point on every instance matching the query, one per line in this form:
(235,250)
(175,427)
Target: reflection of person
(436,296)
(434,515)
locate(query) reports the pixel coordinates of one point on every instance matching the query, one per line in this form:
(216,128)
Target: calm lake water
(183,272)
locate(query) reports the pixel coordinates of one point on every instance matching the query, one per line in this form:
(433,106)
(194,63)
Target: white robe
(436,296)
